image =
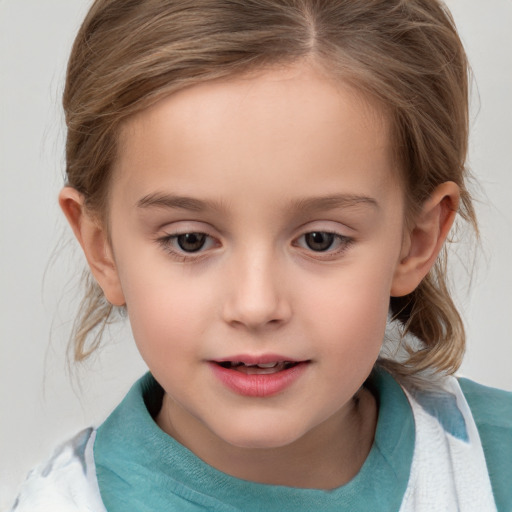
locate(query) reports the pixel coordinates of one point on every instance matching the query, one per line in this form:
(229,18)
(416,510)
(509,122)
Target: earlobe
(424,240)
(94,242)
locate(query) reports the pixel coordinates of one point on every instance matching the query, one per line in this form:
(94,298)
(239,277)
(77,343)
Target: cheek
(351,309)
(166,312)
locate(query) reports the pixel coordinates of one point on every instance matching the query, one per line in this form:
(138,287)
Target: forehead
(265,124)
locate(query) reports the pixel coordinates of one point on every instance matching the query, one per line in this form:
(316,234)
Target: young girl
(260,186)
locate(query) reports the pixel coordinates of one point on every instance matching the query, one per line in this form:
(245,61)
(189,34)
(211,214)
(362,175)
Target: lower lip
(258,385)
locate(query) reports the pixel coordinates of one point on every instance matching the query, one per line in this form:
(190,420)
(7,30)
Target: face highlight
(256,225)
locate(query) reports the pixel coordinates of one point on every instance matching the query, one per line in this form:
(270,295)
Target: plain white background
(40,403)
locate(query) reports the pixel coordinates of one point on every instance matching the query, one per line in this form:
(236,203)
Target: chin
(264,437)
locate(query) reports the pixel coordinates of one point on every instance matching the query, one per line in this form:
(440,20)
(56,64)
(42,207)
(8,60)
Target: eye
(319,240)
(181,245)
(191,242)
(323,242)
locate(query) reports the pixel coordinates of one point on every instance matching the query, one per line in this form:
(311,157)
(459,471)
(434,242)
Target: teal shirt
(492,411)
(140,468)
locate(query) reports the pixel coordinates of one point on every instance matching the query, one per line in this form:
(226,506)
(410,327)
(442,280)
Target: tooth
(268,365)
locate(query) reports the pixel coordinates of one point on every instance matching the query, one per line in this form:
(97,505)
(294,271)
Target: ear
(425,239)
(94,241)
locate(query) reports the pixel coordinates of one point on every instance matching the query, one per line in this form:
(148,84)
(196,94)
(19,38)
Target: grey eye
(319,240)
(191,242)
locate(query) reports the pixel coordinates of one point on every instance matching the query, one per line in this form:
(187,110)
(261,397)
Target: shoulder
(66,482)
(489,406)
(492,411)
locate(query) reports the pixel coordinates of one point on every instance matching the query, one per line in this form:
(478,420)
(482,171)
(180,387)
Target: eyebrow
(158,200)
(310,204)
(332,202)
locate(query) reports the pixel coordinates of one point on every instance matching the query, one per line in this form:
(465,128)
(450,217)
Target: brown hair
(406,54)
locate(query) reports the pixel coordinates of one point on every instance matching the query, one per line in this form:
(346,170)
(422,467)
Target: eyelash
(343,242)
(167,242)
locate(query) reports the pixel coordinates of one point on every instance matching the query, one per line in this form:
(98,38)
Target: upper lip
(258,359)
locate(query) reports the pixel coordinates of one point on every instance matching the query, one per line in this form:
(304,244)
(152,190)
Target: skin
(258,155)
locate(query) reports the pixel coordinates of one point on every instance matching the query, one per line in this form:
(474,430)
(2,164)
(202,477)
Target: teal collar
(141,468)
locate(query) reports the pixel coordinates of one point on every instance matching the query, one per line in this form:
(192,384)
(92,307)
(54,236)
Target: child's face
(285,185)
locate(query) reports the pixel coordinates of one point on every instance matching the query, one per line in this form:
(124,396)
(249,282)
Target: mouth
(258,376)
(258,368)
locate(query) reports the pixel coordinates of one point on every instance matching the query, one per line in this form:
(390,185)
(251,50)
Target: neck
(326,457)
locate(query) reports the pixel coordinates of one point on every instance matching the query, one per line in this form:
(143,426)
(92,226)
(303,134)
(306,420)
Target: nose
(256,296)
